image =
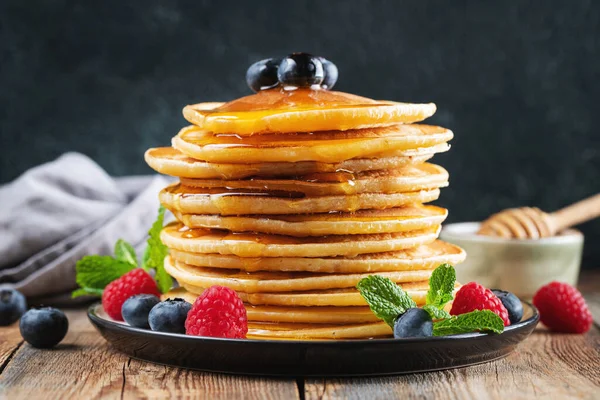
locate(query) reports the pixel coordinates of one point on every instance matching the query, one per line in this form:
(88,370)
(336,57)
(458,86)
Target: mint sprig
(94,272)
(388,301)
(478,320)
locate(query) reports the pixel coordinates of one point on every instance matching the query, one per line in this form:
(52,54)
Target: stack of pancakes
(290,197)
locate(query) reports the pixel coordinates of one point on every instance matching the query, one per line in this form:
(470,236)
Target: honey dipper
(533,223)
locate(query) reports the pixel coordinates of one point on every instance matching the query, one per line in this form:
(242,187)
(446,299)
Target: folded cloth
(58,212)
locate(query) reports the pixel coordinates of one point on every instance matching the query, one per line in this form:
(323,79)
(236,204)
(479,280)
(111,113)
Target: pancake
(411,178)
(325,147)
(170,161)
(261,282)
(318,298)
(179,237)
(427,256)
(221,201)
(290,331)
(409,218)
(305,315)
(279,110)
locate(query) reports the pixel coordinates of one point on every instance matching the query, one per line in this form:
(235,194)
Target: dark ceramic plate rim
(96,319)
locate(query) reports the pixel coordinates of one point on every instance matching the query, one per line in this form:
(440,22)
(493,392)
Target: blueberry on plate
(169,316)
(331,73)
(44,327)
(512,304)
(135,310)
(12,306)
(263,74)
(300,70)
(415,322)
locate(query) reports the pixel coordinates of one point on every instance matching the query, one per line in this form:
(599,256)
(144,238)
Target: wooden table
(83,366)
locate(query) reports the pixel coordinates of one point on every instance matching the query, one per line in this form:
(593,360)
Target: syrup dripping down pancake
(427,256)
(281,111)
(409,218)
(179,237)
(324,147)
(170,161)
(221,201)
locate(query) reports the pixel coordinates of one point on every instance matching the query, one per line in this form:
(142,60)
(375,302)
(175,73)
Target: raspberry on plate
(134,282)
(474,296)
(562,308)
(218,312)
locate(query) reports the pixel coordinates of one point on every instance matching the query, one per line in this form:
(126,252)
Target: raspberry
(134,282)
(218,312)
(562,308)
(473,296)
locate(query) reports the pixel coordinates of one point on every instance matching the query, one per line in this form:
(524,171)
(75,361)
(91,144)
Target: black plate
(313,358)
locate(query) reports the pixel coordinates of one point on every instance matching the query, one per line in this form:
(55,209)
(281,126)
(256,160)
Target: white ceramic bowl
(517,265)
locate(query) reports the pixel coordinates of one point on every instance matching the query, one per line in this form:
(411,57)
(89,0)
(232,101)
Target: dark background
(518,82)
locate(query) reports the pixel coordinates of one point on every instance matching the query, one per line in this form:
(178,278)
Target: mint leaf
(86,292)
(95,272)
(157,252)
(386,299)
(125,252)
(478,320)
(436,313)
(441,286)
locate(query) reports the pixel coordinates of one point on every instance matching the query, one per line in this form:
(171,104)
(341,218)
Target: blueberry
(12,306)
(44,327)
(300,70)
(331,73)
(135,310)
(512,304)
(263,74)
(169,316)
(415,322)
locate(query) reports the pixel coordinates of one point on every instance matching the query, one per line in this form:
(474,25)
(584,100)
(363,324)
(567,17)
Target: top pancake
(302,110)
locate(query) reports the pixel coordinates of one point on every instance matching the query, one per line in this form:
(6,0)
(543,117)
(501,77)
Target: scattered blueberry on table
(44,327)
(12,306)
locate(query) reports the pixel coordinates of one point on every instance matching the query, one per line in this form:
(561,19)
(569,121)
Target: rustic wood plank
(84,366)
(10,341)
(145,380)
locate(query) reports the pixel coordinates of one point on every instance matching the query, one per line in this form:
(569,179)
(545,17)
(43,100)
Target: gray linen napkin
(56,213)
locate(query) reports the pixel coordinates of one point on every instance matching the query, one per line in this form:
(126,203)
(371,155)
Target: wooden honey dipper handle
(576,213)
